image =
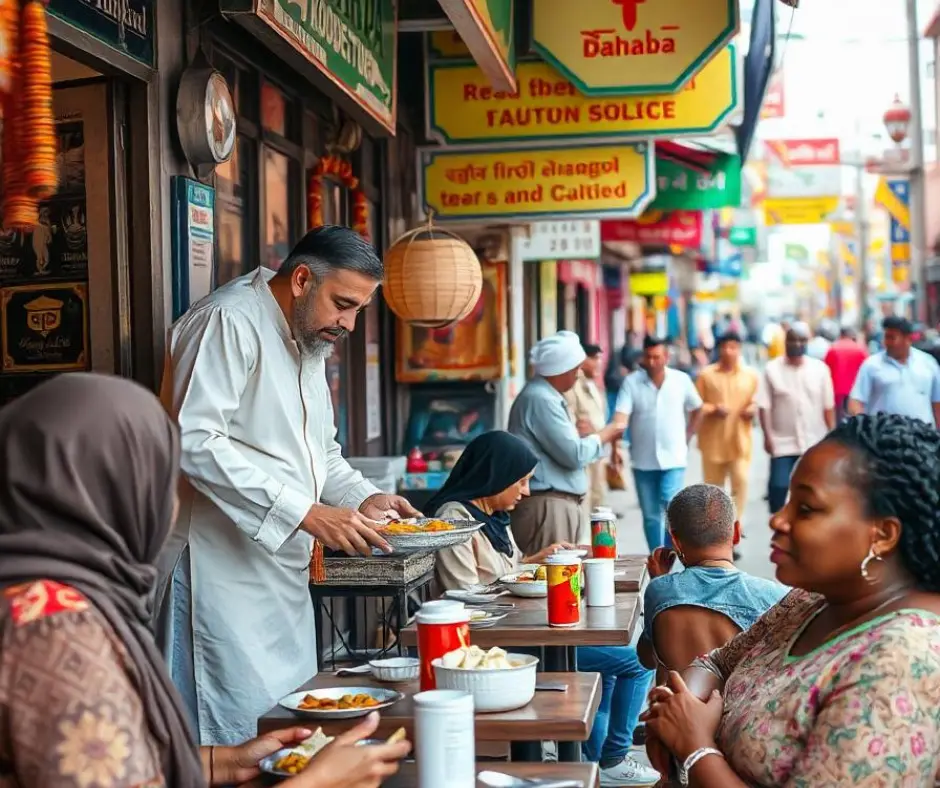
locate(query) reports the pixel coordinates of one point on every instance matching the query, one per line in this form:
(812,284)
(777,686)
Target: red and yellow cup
(564,590)
(443,626)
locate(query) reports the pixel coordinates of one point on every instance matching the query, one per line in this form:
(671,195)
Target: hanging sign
(486,30)
(899,211)
(680,187)
(463,107)
(563,241)
(655,228)
(803,168)
(631,47)
(352,44)
(126,26)
(812,210)
(536,183)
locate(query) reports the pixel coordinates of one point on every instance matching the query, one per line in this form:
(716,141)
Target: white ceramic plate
(490,619)
(473,596)
(385,698)
(524,588)
(269,765)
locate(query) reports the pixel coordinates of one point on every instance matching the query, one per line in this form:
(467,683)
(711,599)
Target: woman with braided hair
(839,684)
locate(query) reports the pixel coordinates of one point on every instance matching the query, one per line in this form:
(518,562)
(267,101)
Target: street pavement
(755,547)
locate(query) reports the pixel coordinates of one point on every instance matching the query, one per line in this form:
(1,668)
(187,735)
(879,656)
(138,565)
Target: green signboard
(127,26)
(681,188)
(350,42)
(743,236)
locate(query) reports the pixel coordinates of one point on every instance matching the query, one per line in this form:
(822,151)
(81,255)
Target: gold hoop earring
(872,556)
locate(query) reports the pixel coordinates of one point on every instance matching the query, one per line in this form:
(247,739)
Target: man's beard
(307,334)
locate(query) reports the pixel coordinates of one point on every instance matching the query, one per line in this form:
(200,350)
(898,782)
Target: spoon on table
(503,780)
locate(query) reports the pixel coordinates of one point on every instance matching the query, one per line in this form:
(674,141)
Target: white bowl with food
(498,681)
(529,582)
(395,669)
(339,703)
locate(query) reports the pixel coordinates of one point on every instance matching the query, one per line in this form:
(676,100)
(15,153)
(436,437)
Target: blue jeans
(778,485)
(655,489)
(625,684)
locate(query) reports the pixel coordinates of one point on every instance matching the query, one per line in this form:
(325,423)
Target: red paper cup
(564,590)
(443,626)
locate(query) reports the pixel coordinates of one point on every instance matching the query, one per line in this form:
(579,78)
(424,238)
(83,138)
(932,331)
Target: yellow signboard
(630,47)
(486,27)
(462,107)
(466,184)
(649,283)
(811,210)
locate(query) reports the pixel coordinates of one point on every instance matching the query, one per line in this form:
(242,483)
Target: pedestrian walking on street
(797,409)
(662,409)
(900,379)
(728,390)
(844,360)
(541,418)
(588,408)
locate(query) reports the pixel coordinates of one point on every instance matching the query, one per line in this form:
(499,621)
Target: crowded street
(469,393)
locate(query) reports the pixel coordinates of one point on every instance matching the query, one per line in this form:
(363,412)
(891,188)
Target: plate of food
(339,703)
(531,582)
(291,761)
(427,533)
(481,619)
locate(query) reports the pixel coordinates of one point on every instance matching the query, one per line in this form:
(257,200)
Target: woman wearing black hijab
(490,478)
(88,473)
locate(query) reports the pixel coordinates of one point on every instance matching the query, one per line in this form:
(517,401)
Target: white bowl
(524,588)
(492,690)
(395,669)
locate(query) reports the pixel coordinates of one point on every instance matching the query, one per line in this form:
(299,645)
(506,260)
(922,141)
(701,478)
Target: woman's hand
(657,753)
(541,555)
(661,561)
(680,720)
(345,764)
(236,765)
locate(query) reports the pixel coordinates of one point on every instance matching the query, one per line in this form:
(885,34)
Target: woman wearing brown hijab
(88,473)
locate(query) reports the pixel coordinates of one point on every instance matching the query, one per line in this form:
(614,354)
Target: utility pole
(917,196)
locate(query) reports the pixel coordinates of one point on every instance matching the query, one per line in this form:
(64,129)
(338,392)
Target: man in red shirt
(844,358)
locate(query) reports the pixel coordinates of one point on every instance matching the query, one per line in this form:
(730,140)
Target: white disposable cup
(445,750)
(599,579)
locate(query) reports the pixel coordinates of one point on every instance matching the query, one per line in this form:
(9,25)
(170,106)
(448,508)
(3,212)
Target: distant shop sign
(525,184)
(352,43)
(126,26)
(462,107)
(574,240)
(656,228)
(679,187)
(631,47)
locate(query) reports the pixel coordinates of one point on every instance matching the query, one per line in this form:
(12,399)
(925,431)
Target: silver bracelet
(693,759)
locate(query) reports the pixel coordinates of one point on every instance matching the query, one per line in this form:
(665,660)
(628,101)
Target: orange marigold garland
(9,19)
(38,141)
(341,170)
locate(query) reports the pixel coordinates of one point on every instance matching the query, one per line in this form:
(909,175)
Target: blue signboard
(193,233)
(900,232)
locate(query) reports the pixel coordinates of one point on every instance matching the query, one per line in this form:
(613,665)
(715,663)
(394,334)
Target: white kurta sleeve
(214,350)
(344,486)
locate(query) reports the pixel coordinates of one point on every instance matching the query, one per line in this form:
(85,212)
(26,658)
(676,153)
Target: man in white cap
(540,416)
(797,409)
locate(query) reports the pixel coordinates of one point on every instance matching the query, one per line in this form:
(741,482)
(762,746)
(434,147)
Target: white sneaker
(629,772)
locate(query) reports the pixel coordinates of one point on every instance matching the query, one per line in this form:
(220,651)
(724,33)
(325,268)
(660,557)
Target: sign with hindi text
(681,187)
(631,47)
(536,183)
(655,228)
(462,107)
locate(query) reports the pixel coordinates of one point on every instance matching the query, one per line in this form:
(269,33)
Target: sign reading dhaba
(628,47)
(352,43)
(462,107)
(614,180)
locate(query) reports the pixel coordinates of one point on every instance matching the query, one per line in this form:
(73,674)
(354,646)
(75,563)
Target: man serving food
(264,480)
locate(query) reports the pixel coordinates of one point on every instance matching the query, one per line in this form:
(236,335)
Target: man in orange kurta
(728,390)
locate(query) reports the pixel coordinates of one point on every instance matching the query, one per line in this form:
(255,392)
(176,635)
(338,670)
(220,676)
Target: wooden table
(563,716)
(408,776)
(630,573)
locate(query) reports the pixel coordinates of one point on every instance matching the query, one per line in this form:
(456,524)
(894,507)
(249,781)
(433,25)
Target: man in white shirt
(662,408)
(264,478)
(797,409)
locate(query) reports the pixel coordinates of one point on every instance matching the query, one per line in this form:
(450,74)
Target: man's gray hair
(702,515)
(332,248)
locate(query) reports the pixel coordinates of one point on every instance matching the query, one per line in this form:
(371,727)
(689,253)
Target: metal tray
(386,698)
(434,540)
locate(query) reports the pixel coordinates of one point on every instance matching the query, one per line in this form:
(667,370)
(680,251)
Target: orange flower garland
(8,29)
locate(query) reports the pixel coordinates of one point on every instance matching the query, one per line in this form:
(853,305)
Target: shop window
(232,181)
(274,110)
(279,229)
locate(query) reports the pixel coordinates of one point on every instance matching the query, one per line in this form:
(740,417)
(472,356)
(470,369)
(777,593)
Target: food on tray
(475,658)
(407,527)
(360,701)
(300,756)
(531,576)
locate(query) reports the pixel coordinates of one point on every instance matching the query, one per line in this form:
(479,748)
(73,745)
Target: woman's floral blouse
(861,710)
(70,714)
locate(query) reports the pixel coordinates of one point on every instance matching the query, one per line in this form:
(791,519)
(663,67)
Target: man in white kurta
(262,473)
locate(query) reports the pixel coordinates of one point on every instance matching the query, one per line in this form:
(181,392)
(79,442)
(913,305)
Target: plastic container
(445,749)
(603,533)
(564,590)
(443,626)
(599,579)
